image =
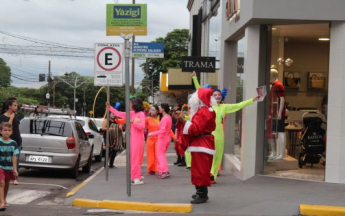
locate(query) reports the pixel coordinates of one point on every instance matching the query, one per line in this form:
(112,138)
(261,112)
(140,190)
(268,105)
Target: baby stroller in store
(312,138)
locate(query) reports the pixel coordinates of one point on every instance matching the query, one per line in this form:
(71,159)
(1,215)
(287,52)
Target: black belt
(204,134)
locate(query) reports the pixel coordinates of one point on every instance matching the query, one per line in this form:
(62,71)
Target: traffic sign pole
(128,125)
(107,138)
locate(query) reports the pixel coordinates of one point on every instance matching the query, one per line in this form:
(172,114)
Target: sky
(80,23)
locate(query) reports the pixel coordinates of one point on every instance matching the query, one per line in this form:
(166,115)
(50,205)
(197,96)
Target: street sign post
(108,72)
(128,125)
(147,50)
(108,64)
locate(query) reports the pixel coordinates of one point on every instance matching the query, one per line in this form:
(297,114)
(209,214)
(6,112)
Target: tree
(175,47)
(64,94)
(5,74)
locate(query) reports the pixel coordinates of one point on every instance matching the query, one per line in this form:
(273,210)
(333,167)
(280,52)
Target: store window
(241,49)
(214,36)
(297,101)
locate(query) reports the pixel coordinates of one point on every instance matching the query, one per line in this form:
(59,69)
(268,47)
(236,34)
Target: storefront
(286,36)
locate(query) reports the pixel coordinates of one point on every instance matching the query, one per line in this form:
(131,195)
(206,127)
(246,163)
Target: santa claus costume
(201,141)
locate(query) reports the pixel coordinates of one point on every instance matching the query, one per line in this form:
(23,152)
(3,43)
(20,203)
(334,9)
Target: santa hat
(204,94)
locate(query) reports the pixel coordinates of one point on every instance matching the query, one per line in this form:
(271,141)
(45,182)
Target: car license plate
(39,159)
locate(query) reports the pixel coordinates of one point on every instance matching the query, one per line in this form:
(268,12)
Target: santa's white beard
(213,101)
(195,103)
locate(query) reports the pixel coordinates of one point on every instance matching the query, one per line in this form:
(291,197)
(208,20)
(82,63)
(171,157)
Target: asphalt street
(43,191)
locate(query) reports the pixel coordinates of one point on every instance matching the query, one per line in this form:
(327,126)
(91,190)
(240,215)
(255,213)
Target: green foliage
(175,47)
(63,95)
(141,95)
(5,74)
(23,95)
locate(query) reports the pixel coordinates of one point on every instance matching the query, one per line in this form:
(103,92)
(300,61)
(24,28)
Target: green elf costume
(221,110)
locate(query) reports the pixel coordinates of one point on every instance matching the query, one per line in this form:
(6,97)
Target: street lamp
(48,97)
(153,93)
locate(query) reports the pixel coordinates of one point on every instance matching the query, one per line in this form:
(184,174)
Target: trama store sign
(199,64)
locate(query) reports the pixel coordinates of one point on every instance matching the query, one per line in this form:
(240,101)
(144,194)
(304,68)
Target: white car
(90,127)
(98,122)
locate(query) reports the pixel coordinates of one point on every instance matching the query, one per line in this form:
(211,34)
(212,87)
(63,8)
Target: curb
(321,210)
(74,190)
(134,206)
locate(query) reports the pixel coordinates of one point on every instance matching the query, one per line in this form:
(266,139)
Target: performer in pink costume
(137,119)
(163,140)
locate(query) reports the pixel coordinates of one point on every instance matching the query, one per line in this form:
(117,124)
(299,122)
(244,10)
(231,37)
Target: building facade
(289,36)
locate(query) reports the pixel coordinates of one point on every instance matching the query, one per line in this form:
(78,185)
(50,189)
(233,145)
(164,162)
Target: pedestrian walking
(152,125)
(9,114)
(137,120)
(8,164)
(180,151)
(115,138)
(163,140)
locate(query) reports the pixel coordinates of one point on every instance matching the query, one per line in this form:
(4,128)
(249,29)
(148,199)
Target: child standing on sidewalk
(8,162)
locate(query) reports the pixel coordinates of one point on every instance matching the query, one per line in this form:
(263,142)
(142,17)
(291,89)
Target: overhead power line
(23,79)
(45,48)
(46,51)
(44,42)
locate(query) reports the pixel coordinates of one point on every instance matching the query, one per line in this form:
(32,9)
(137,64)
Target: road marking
(103,211)
(22,197)
(23,183)
(56,201)
(134,206)
(74,190)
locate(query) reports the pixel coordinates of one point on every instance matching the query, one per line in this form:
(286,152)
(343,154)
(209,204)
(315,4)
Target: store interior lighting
(323,39)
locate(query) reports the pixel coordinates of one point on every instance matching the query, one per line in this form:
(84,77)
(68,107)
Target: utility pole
(54,84)
(48,89)
(84,105)
(75,86)
(75,92)
(133,64)
(152,88)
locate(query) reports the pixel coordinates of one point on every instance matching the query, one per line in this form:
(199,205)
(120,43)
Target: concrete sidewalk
(259,195)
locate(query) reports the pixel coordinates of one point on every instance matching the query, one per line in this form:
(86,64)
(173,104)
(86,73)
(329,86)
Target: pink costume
(137,140)
(163,143)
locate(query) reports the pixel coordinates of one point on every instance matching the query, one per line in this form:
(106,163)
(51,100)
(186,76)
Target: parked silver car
(55,143)
(98,141)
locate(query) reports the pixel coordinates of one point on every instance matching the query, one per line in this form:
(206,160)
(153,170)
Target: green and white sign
(126,19)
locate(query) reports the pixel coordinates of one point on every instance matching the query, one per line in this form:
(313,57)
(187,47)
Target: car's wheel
(99,157)
(74,173)
(87,167)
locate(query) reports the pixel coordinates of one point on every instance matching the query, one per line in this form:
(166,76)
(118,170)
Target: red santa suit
(201,141)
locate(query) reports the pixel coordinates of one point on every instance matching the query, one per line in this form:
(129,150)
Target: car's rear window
(46,127)
(81,122)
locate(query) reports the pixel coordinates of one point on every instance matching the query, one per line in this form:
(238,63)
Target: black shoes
(199,200)
(178,160)
(200,196)
(182,162)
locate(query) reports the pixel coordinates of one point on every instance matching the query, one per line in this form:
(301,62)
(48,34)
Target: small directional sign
(147,50)
(108,64)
